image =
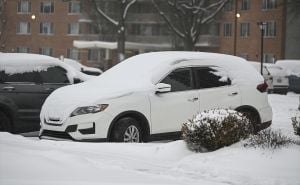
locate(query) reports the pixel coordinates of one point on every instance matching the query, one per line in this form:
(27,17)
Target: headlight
(89,109)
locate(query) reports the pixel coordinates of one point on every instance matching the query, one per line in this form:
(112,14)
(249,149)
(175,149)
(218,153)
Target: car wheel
(5,124)
(253,118)
(127,130)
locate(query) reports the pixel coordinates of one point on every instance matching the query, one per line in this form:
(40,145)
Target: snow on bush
(296,124)
(214,129)
(268,139)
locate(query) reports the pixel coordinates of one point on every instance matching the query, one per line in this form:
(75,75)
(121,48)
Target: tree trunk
(188,44)
(121,42)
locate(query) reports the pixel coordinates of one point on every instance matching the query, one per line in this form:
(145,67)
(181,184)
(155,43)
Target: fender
(134,114)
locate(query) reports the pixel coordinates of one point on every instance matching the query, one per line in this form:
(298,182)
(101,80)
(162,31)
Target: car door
(26,91)
(170,110)
(53,78)
(215,89)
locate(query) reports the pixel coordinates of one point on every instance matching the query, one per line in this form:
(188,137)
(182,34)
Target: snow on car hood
(138,73)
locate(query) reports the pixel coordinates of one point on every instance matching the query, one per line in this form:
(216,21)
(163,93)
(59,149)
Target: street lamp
(261,26)
(236,16)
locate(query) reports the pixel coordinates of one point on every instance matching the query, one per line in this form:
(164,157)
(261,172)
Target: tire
(5,123)
(127,130)
(253,118)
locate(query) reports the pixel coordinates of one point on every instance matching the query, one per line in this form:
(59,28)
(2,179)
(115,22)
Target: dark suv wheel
(127,130)
(5,123)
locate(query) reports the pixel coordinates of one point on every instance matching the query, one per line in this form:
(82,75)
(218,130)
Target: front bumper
(90,127)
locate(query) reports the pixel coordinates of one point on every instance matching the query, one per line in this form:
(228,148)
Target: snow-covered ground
(26,161)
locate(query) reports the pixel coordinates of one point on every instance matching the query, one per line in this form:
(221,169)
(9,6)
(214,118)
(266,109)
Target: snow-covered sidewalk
(33,162)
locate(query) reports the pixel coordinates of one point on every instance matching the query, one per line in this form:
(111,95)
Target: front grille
(56,134)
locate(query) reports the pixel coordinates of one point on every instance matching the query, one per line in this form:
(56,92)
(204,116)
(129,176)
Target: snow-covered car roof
(291,66)
(12,63)
(78,66)
(273,69)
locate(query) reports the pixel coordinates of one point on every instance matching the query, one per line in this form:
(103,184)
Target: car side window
(209,77)
(26,77)
(180,80)
(54,75)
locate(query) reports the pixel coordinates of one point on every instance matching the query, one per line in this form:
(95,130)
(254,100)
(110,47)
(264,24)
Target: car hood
(62,102)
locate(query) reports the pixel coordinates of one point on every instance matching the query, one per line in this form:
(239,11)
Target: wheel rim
(132,135)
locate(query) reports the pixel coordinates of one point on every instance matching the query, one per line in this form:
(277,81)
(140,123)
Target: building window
(244,29)
(270,29)
(22,49)
(46,51)
(24,6)
(74,7)
(227,30)
(269,4)
(73,28)
(245,5)
(134,29)
(268,58)
(46,28)
(73,53)
(47,7)
(96,55)
(228,6)
(23,28)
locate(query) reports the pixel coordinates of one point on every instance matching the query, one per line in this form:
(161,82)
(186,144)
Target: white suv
(149,96)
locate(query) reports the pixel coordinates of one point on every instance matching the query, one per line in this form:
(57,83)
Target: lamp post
(236,16)
(261,26)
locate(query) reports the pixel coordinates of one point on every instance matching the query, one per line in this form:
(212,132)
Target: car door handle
(8,88)
(233,94)
(193,99)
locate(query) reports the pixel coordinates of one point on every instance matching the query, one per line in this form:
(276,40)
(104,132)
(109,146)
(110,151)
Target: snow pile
(79,67)
(291,66)
(13,63)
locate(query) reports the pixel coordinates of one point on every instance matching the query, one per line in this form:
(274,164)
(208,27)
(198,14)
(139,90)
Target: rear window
(26,77)
(54,75)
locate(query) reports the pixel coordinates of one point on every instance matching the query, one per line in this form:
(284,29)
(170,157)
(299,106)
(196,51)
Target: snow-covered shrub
(296,124)
(214,129)
(268,139)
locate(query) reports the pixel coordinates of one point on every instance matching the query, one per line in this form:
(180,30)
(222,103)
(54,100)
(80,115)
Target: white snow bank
(43,162)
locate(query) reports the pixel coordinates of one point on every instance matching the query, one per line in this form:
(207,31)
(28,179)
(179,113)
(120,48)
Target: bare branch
(220,4)
(127,7)
(104,15)
(168,21)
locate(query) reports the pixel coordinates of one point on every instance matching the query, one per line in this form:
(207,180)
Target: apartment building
(244,39)
(47,27)
(50,26)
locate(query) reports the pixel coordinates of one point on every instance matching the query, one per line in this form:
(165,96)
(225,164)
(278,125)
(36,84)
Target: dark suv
(26,80)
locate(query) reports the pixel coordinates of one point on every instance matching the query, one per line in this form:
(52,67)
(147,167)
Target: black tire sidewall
(121,126)
(5,123)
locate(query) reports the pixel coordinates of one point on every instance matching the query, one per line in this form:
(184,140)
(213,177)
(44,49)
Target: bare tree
(186,17)
(118,22)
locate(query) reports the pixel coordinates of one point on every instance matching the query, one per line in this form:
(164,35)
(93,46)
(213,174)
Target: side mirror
(162,88)
(77,80)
